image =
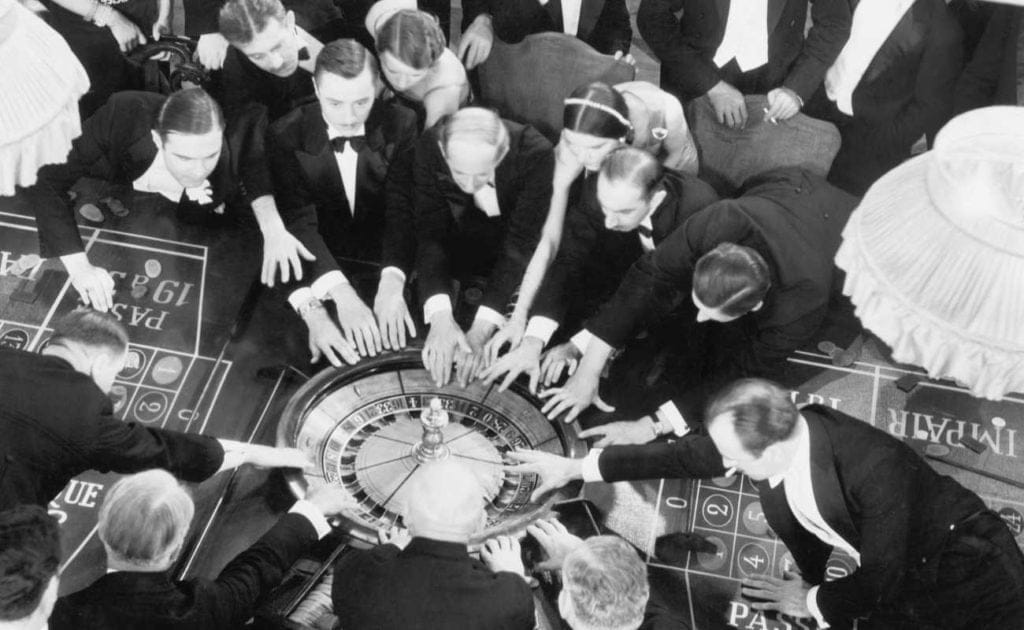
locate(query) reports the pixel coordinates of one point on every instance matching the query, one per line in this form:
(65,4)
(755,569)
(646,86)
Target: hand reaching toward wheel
(555,540)
(554,471)
(523,360)
(622,432)
(444,340)
(356,320)
(571,399)
(503,553)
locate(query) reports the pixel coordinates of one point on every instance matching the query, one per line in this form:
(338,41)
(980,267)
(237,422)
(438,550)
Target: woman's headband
(604,108)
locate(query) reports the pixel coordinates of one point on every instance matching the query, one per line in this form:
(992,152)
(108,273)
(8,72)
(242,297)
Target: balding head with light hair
(143,521)
(604,586)
(444,500)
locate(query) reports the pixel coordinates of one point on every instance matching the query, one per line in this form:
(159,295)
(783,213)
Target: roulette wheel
(370,427)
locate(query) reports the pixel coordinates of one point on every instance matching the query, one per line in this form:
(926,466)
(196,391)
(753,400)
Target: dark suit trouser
(975,582)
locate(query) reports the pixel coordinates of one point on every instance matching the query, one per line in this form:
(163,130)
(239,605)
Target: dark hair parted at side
(190,111)
(29,557)
(346,58)
(599,110)
(92,329)
(731,278)
(635,166)
(761,412)
(414,37)
(240,20)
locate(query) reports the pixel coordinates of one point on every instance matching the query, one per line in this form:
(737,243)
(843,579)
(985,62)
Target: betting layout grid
(727,514)
(166,382)
(930,415)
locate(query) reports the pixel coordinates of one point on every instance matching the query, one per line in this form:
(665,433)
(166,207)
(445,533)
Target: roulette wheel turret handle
(434,419)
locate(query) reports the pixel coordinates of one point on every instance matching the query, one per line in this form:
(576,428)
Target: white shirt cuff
(812,605)
(313,515)
(300,296)
(541,328)
(669,414)
(322,285)
(591,471)
(394,270)
(489,315)
(581,340)
(436,304)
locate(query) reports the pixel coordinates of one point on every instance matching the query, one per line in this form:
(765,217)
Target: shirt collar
(158,179)
(333,133)
(801,457)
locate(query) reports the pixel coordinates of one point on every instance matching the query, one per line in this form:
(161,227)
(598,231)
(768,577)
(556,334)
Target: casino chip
(139,291)
(91,212)
(153,267)
(167,370)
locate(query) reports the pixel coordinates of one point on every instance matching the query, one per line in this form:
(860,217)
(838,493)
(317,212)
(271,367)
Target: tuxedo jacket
(792,218)
(429,585)
(128,600)
(117,146)
(871,489)
(454,236)
(686,46)
(586,239)
(312,200)
(57,424)
(990,77)
(603,24)
(906,92)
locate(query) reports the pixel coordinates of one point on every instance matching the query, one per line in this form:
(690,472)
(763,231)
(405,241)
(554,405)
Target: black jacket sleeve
(253,573)
(582,234)
(295,201)
(613,31)
(515,19)
(94,153)
(935,81)
(685,71)
(127,447)
(830,28)
(979,82)
(432,219)
(535,163)
(691,457)
(399,245)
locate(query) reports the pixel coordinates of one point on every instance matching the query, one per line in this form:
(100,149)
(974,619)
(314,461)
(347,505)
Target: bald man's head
(444,500)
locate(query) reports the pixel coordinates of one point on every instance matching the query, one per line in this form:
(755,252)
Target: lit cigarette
(770,119)
(730,472)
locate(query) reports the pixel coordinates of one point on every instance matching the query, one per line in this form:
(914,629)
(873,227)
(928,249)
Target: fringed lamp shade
(934,255)
(40,85)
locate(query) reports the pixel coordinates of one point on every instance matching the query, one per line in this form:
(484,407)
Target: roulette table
(371,427)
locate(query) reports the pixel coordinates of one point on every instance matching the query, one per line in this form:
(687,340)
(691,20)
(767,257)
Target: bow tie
(645,231)
(357,142)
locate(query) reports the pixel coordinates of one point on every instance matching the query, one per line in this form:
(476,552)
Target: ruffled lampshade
(934,255)
(40,85)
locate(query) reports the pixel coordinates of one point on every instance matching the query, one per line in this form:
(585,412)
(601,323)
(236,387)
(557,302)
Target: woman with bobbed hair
(599,118)
(482,186)
(415,60)
(174,147)
(143,524)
